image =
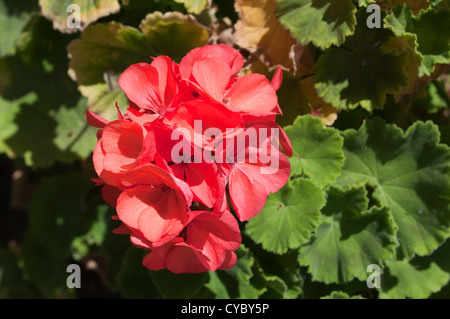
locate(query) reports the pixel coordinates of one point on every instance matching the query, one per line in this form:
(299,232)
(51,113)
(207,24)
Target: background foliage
(367,111)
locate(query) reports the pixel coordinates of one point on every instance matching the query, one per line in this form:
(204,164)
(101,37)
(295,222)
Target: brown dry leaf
(261,33)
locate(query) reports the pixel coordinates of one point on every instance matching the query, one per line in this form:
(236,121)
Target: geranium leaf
(418,278)
(133,280)
(113,47)
(173,34)
(90,11)
(102,101)
(409,173)
(236,282)
(322,22)
(348,238)
(429,30)
(57,208)
(178,286)
(259,31)
(8,112)
(341,73)
(13,21)
(74,137)
(103,48)
(288,219)
(317,150)
(341,295)
(195,6)
(415,279)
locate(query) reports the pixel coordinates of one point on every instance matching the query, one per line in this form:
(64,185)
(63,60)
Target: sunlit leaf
(288,218)
(322,22)
(259,31)
(317,150)
(417,280)
(341,295)
(195,6)
(89,11)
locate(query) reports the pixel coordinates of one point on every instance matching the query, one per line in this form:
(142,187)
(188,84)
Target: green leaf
(317,151)
(178,286)
(322,22)
(133,280)
(95,235)
(43,268)
(105,48)
(236,282)
(365,3)
(362,70)
(348,238)
(74,137)
(8,113)
(102,101)
(216,286)
(13,21)
(113,47)
(430,31)
(409,173)
(173,34)
(288,218)
(242,272)
(416,279)
(56,211)
(90,11)
(341,295)
(12,283)
(277,287)
(195,6)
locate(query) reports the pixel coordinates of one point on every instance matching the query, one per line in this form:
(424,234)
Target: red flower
(195,139)
(118,150)
(155,203)
(207,243)
(211,72)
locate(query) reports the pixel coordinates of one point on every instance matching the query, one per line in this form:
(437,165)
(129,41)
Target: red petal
(156,259)
(110,194)
(183,259)
(252,93)
(229,261)
(224,52)
(277,78)
(95,120)
(213,76)
(159,215)
(140,84)
(123,137)
(247,195)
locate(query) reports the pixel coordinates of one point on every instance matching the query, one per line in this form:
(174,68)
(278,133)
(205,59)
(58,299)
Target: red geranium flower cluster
(196,139)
